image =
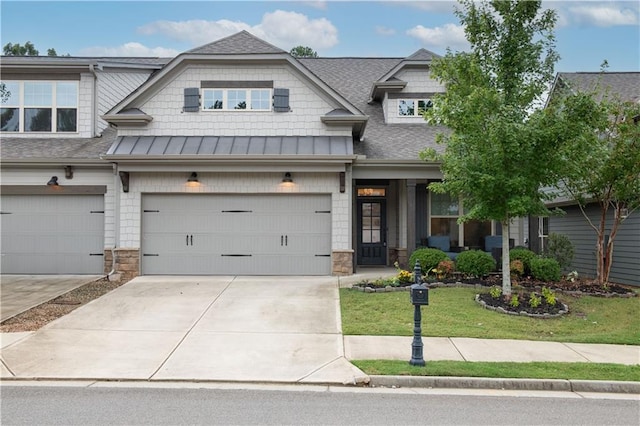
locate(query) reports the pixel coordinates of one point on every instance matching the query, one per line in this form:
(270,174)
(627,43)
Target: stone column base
(399,255)
(127,262)
(342,262)
(108,261)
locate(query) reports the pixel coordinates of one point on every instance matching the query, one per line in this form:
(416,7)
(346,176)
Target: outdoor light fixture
(343,182)
(68,172)
(193,178)
(287,178)
(53,181)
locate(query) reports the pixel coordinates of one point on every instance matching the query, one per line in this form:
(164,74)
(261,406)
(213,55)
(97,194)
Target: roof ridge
(242,42)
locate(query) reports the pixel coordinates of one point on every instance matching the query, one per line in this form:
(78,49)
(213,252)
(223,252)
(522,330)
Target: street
(74,403)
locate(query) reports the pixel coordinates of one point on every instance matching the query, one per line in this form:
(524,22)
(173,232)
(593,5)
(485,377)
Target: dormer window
(407,107)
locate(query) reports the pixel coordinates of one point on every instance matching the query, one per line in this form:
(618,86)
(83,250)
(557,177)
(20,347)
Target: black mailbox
(419,294)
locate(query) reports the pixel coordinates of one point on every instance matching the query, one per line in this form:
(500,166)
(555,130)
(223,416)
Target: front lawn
(453,312)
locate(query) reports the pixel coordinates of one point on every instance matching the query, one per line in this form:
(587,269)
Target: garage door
(52,234)
(236,234)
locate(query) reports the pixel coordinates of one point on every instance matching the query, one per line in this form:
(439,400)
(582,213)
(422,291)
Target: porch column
(411,216)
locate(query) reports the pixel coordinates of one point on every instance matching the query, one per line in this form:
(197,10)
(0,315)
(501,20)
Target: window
(407,107)
(444,213)
(543,231)
(236,99)
(40,106)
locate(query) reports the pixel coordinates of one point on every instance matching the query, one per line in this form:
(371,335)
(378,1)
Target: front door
(372,232)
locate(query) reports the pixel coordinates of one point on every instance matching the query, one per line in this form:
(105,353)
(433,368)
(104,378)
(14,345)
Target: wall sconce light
(287,178)
(343,182)
(53,181)
(124,179)
(193,179)
(68,172)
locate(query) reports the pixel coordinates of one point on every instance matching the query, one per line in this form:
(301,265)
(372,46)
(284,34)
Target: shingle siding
(114,86)
(626,250)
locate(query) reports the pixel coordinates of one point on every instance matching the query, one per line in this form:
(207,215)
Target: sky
(587,32)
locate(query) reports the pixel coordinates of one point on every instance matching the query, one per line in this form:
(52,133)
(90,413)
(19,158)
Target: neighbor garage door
(52,234)
(236,234)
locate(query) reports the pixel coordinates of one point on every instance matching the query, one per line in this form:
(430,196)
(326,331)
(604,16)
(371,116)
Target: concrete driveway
(259,329)
(20,293)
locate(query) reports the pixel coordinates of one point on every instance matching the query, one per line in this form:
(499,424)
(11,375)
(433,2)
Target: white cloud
(281,28)
(384,31)
(438,6)
(129,49)
(448,35)
(603,15)
(322,5)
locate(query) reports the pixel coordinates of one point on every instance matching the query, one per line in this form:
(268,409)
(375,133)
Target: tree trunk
(600,252)
(506,270)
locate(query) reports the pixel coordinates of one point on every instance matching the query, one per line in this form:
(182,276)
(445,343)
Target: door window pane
(37,119)
(375,236)
(10,119)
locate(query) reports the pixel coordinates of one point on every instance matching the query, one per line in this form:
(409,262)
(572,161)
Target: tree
(303,52)
(497,158)
(602,163)
(17,50)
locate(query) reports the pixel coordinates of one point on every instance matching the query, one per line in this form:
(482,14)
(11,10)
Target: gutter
(94,99)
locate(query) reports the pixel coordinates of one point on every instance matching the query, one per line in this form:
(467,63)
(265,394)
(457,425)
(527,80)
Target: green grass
(529,370)
(453,312)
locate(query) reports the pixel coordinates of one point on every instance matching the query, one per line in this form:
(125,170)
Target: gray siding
(626,249)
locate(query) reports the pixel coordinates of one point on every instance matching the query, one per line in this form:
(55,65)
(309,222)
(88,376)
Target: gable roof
(626,85)
(241,43)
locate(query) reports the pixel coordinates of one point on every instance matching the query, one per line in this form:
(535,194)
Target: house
(625,268)
(231,158)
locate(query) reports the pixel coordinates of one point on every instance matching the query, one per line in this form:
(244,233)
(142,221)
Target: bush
(523,255)
(560,248)
(545,269)
(429,259)
(517,267)
(475,262)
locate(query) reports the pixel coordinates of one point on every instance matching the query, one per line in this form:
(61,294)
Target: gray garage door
(256,234)
(52,234)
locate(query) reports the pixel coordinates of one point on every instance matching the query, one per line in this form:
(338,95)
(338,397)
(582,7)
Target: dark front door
(372,232)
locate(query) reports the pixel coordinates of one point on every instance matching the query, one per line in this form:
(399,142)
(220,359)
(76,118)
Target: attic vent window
(407,107)
(236,99)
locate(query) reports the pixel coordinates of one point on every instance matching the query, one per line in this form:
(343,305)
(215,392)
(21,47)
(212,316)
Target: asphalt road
(117,404)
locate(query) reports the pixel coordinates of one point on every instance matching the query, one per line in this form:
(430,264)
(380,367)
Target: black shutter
(191,99)
(281,100)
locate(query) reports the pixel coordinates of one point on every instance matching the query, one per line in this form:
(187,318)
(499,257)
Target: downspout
(116,217)
(95,100)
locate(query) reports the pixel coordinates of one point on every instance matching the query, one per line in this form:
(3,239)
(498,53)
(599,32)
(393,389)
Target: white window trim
(461,235)
(225,101)
(416,113)
(54,107)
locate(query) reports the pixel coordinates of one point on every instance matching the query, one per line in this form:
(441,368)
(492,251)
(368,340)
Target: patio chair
(442,242)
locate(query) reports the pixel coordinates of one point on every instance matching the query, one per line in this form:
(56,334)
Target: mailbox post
(419,295)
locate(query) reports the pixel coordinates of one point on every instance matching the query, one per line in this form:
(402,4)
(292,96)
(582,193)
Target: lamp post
(419,295)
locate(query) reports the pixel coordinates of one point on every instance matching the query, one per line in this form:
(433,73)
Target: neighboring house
(625,268)
(231,158)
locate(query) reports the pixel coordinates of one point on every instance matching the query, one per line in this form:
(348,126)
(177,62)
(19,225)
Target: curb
(557,385)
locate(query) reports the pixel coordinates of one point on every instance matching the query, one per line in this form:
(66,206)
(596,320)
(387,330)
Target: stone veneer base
(342,262)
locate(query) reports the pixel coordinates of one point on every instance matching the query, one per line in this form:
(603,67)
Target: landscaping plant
(545,269)
(429,258)
(476,263)
(559,247)
(523,255)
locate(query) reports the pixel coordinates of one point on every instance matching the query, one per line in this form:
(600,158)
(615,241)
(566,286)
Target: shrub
(475,262)
(495,291)
(560,248)
(545,269)
(523,255)
(515,302)
(429,258)
(445,268)
(549,296)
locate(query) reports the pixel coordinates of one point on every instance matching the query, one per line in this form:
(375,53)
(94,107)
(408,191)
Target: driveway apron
(258,329)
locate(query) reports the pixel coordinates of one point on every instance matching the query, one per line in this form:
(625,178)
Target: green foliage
(516,267)
(523,255)
(476,263)
(495,158)
(534,300)
(495,291)
(560,248)
(303,52)
(429,259)
(445,269)
(545,269)
(28,49)
(515,301)
(549,296)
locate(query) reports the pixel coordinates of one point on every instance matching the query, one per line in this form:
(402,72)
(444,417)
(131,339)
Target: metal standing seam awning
(154,151)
